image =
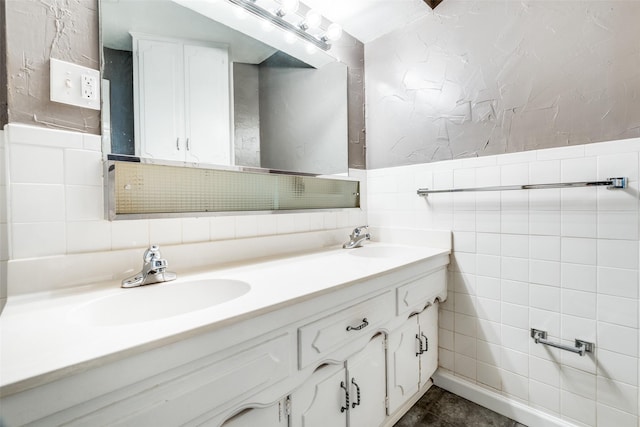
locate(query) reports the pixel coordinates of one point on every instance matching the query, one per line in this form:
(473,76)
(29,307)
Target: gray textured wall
(36,31)
(485,77)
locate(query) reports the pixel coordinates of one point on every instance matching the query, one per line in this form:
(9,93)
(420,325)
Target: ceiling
(367,20)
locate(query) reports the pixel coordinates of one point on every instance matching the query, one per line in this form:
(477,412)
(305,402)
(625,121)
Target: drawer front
(317,339)
(232,379)
(186,392)
(414,295)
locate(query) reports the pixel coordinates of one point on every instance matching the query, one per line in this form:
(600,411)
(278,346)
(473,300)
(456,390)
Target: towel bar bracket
(581,347)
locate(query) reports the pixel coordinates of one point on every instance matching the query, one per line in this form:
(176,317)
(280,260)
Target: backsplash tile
(84,203)
(88,236)
(57,210)
(37,203)
(37,239)
(83,167)
(25,134)
(195,229)
(46,165)
(130,234)
(165,231)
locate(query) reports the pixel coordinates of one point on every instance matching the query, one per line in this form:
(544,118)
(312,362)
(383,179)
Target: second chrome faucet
(154,270)
(358,237)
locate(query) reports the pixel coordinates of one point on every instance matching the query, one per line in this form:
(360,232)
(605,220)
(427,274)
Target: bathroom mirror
(284,114)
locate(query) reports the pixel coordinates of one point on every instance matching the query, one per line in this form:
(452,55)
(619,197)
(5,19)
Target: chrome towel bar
(581,347)
(610,183)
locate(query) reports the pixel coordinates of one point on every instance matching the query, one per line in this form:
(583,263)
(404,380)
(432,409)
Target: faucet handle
(358,230)
(152,253)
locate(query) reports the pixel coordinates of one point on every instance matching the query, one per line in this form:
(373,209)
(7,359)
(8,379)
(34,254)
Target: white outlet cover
(66,84)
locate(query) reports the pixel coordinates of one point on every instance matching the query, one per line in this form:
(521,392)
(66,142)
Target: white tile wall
(565,261)
(56,208)
(4,243)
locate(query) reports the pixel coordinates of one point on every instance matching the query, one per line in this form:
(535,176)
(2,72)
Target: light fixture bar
(250,6)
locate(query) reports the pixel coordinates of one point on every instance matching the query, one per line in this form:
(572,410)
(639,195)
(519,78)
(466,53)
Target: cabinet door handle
(178,144)
(357,402)
(420,350)
(188,147)
(346,393)
(362,325)
(426,341)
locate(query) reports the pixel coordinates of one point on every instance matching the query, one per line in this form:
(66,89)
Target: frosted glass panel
(139,188)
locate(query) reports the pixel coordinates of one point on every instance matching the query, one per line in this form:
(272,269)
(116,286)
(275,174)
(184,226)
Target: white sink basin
(158,301)
(379,251)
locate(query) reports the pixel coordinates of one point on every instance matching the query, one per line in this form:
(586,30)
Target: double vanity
(325,338)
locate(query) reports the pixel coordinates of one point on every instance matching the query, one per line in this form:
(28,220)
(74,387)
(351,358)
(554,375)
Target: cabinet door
(207,106)
(403,363)
(367,383)
(271,416)
(428,320)
(160,100)
(319,402)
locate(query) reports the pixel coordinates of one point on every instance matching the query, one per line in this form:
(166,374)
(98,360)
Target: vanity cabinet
(319,338)
(181,100)
(351,394)
(413,356)
(352,354)
(271,416)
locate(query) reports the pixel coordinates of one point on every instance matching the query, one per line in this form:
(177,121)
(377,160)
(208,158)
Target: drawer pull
(420,350)
(362,325)
(357,402)
(346,393)
(424,349)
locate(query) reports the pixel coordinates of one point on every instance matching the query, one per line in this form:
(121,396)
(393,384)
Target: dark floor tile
(428,419)
(410,419)
(433,395)
(432,420)
(440,408)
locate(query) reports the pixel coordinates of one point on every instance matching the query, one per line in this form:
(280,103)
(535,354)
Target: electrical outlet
(74,84)
(89,87)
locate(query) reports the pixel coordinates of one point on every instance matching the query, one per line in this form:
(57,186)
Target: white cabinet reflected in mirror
(181,100)
(184,88)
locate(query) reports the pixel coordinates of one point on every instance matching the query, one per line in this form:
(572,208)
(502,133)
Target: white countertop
(40,342)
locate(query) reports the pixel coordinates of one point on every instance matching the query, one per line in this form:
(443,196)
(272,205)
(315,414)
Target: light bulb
(334,32)
(288,6)
(313,19)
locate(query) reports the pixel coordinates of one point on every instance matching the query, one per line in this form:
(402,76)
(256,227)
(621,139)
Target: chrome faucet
(357,237)
(153,270)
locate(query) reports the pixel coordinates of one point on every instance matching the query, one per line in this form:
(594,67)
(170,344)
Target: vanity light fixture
(287,7)
(311,21)
(334,32)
